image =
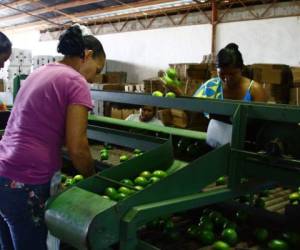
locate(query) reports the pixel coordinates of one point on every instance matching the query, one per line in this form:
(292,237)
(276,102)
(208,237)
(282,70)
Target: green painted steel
(82,218)
(155,128)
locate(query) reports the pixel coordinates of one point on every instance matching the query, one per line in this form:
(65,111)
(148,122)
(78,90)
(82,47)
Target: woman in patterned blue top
(230,84)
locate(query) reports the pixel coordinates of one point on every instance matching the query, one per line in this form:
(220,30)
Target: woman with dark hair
(50,111)
(5,52)
(230,84)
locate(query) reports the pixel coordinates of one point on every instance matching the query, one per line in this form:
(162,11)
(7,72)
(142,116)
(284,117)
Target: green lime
(206,237)
(171,73)
(160,174)
(170,95)
(127,182)
(193,231)
(220,245)
(78,178)
(261,234)
(206,225)
(157,94)
(138,188)
(221,181)
(230,236)
(111,192)
(137,151)
(104,156)
(120,196)
(125,190)
(292,238)
(123,158)
(146,174)
(69,182)
(294,197)
(141,181)
(63,178)
(277,245)
(154,179)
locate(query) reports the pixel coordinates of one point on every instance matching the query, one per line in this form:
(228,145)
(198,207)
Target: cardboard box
(153,84)
(165,116)
(179,118)
(192,71)
(108,87)
(116,113)
(114,77)
(279,74)
(296,75)
(294,96)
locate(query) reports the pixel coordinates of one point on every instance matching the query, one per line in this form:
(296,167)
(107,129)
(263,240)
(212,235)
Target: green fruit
(138,188)
(171,72)
(154,179)
(230,224)
(141,181)
(206,237)
(157,94)
(123,158)
(137,151)
(120,196)
(277,245)
(125,190)
(111,192)
(69,182)
(220,245)
(63,178)
(104,156)
(103,150)
(167,80)
(160,174)
(292,238)
(78,178)
(177,82)
(193,231)
(170,95)
(230,236)
(295,203)
(108,146)
(127,182)
(261,234)
(105,196)
(146,174)
(241,216)
(221,181)
(294,197)
(206,225)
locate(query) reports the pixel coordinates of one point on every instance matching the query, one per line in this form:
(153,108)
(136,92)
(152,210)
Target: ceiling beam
(43,10)
(18,3)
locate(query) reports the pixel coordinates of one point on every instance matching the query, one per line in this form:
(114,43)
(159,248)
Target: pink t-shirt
(30,150)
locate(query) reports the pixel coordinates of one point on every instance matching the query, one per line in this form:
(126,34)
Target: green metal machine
(84,219)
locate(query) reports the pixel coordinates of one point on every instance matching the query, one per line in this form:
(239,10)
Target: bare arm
(76,139)
(258,93)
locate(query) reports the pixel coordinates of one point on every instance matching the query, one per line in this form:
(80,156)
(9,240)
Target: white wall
(143,53)
(264,41)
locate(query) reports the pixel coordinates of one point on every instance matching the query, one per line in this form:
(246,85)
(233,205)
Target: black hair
(5,44)
(92,43)
(230,56)
(72,43)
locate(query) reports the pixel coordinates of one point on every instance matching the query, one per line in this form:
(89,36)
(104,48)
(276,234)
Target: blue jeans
(22,225)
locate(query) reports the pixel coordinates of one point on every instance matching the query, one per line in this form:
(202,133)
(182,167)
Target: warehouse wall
(143,53)
(264,41)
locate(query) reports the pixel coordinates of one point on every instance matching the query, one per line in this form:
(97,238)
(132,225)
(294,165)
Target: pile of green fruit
(69,180)
(160,94)
(129,187)
(104,154)
(170,77)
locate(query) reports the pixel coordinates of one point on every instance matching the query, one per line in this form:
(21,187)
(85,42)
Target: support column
(214,22)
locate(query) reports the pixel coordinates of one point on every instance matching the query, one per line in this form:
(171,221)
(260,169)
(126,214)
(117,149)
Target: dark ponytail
(71,42)
(5,44)
(230,56)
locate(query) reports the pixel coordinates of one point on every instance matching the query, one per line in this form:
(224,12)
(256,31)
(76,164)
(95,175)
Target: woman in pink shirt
(50,110)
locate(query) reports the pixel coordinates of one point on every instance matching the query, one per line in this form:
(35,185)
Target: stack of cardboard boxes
(276,79)
(295,89)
